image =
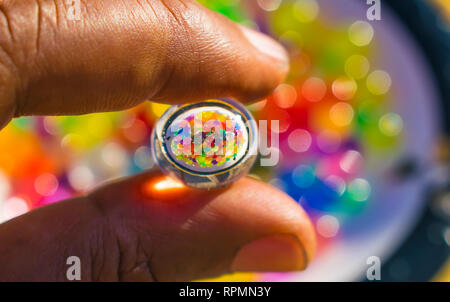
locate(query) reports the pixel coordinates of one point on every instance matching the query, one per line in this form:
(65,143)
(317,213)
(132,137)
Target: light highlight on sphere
(359,189)
(46,184)
(327,226)
(285,96)
(341,114)
(357,66)
(379,82)
(299,140)
(344,88)
(360,33)
(306,10)
(314,89)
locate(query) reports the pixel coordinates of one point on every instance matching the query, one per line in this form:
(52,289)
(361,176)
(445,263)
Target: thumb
(185,234)
(149,228)
(123,52)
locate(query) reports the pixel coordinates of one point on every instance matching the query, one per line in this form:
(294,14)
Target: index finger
(121,53)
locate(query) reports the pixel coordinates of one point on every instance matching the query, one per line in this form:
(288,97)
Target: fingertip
(247,226)
(282,235)
(279,253)
(269,47)
(229,60)
(267,67)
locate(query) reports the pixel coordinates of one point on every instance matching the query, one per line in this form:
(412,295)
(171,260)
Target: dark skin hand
(142,228)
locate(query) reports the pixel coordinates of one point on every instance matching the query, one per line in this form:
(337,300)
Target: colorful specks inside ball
(207,138)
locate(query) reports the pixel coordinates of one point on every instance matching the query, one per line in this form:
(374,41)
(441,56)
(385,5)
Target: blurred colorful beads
(314,89)
(13,207)
(299,140)
(327,226)
(344,88)
(341,114)
(269,5)
(329,141)
(360,33)
(143,158)
(334,108)
(81,178)
(351,162)
(391,124)
(336,183)
(306,10)
(216,149)
(285,96)
(357,66)
(303,176)
(359,189)
(46,184)
(378,82)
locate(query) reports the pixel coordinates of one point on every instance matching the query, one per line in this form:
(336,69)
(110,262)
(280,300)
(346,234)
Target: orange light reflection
(164,187)
(167,183)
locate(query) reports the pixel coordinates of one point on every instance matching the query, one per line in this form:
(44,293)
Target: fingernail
(278,253)
(267,45)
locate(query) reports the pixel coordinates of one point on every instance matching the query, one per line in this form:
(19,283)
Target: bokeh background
(364,144)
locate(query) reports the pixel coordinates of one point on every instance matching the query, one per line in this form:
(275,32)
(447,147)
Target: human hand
(119,54)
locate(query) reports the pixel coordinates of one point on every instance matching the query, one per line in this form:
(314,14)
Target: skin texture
(119,54)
